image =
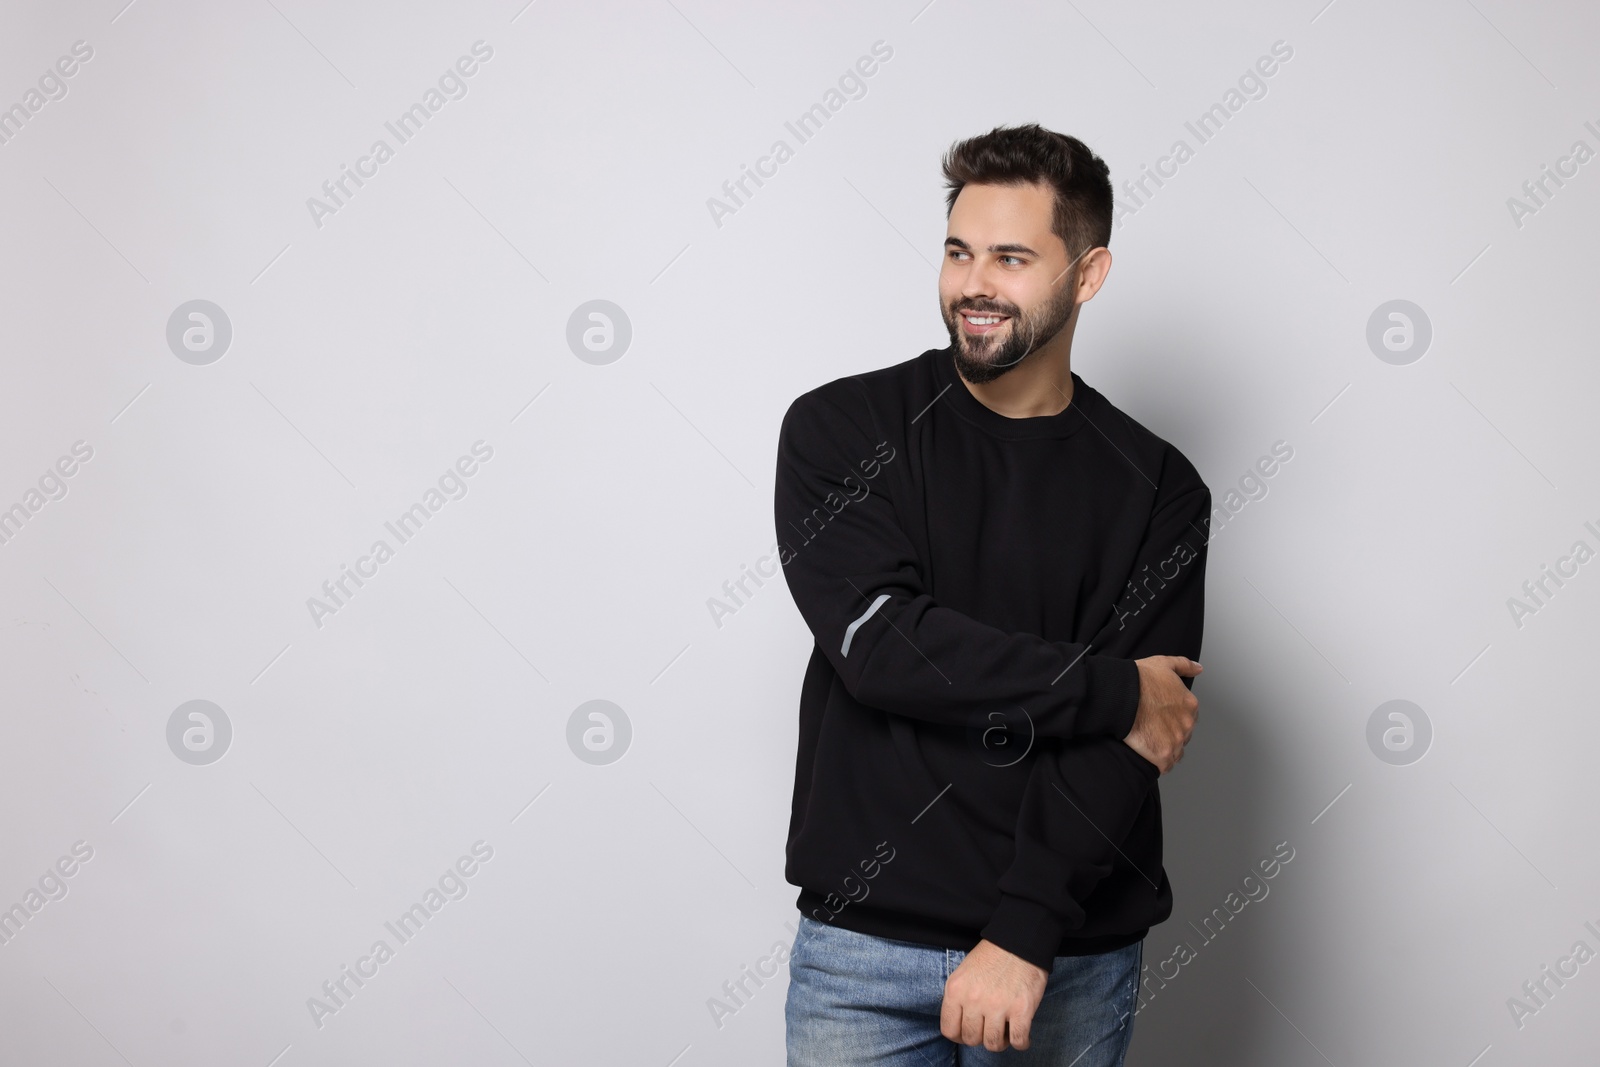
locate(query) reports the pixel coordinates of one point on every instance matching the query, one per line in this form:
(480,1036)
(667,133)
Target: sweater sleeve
(855,577)
(1082,798)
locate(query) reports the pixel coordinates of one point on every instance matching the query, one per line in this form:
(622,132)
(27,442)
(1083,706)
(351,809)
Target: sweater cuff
(1026,929)
(1112,701)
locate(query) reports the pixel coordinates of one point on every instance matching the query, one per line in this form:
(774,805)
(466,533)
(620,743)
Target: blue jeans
(856,1000)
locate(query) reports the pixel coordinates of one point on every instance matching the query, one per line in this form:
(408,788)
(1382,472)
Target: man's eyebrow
(1006,249)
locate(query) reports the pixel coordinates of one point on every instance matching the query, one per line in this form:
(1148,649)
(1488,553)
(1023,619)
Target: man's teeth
(983,320)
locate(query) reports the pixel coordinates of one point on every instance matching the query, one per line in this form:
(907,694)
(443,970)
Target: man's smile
(984,323)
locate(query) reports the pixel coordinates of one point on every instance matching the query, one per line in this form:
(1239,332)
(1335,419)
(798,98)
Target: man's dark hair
(1018,155)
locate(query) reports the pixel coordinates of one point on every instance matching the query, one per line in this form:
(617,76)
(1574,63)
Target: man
(1005,578)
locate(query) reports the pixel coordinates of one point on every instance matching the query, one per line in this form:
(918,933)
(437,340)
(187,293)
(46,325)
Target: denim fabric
(856,1000)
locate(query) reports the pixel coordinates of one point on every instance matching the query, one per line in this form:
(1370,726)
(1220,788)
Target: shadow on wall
(1229,859)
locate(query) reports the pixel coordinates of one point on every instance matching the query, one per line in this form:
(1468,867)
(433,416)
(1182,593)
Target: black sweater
(979,588)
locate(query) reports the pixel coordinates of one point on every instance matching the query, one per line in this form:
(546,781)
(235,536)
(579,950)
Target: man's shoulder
(865,394)
(1161,460)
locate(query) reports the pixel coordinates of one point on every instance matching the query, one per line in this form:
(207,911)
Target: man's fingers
(994,1033)
(950,1018)
(1184,666)
(972,1026)
(1019,1025)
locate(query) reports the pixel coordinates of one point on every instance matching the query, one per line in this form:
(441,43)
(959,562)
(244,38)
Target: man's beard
(983,359)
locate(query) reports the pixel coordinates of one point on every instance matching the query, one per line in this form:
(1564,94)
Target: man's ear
(1092,271)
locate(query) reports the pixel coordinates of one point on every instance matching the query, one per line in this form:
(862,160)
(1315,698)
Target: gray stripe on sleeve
(850,631)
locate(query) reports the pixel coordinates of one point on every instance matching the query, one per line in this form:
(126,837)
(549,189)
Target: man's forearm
(1080,803)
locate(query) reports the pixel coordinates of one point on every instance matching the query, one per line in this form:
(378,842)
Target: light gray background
(432,711)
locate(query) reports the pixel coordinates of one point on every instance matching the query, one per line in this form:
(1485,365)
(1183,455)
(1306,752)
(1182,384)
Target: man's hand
(1167,710)
(990,999)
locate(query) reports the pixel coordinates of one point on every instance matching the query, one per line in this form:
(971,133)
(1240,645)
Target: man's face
(1002,261)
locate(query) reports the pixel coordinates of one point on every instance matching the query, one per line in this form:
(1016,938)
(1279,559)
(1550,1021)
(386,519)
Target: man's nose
(977,284)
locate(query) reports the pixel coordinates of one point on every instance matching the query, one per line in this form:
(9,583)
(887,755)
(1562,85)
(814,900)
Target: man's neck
(1040,385)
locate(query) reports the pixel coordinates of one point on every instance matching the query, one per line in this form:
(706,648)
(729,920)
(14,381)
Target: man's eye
(1017,258)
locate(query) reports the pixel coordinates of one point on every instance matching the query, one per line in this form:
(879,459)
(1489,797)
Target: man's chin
(982,369)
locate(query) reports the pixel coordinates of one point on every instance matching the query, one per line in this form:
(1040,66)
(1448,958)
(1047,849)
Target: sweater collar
(954,391)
